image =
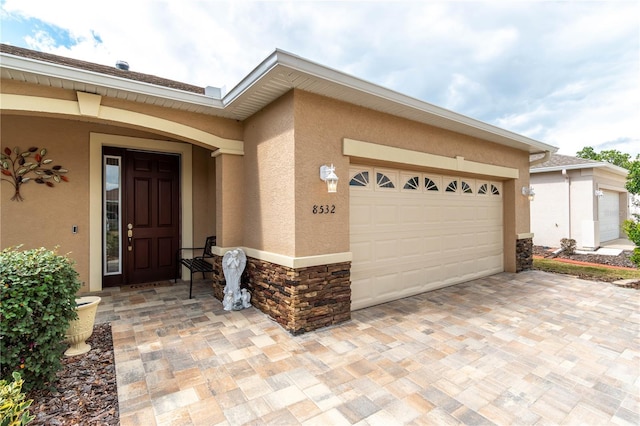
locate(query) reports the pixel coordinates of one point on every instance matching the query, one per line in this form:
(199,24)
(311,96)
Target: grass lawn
(586,272)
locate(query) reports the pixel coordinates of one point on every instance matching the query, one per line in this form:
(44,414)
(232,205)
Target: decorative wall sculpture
(16,166)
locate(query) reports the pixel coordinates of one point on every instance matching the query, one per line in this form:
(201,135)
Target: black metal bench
(197,263)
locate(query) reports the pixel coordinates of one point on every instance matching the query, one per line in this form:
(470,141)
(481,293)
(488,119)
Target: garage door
(609,216)
(414,232)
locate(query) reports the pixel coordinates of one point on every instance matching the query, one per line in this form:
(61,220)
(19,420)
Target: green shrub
(38,290)
(568,245)
(14,410)
(631,227)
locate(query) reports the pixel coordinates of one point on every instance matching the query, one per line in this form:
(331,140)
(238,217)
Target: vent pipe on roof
(122,65)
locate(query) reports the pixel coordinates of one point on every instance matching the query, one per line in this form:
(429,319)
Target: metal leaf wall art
(19,168)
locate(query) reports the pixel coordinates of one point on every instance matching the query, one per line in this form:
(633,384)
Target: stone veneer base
(301,299)
(524,254)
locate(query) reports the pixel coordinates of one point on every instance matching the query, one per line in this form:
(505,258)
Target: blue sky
(565,73)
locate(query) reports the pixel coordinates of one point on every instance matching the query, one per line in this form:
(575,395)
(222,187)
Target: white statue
(246,298)
(233,263)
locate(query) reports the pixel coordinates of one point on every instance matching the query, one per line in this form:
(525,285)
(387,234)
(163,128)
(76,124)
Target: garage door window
(431,185)
(387,180)
(384,181)
(413,184)
(360,179)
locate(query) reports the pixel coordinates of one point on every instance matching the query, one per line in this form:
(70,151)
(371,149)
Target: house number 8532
(324,209)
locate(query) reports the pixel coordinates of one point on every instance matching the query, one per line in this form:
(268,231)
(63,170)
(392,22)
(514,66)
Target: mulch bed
(622,260)
(86,392)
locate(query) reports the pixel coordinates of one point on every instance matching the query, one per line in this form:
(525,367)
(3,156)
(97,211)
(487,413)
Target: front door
(142,211)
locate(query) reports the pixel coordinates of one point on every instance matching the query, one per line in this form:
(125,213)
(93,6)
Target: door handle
(129,236)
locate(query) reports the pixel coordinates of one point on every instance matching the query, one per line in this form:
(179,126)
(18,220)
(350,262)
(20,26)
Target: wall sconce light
(598,193)
(328,174)
(528,192)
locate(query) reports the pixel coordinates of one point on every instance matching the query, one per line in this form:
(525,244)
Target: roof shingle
(558,160)
(102,69)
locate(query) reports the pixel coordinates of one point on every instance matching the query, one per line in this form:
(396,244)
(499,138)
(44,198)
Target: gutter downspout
(568,179)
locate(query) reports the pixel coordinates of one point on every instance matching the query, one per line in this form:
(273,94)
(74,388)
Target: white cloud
(562,72)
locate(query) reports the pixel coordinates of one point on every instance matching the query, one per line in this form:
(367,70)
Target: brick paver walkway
(528,348)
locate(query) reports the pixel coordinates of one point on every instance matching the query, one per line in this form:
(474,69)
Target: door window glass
(112,207)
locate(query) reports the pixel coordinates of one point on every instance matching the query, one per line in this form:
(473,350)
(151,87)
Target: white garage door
(609,216)
(415,232)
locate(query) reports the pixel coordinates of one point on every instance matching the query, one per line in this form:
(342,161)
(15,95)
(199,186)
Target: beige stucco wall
(321,124)
(269,179)
(264,199)
(204,195)
(46,217)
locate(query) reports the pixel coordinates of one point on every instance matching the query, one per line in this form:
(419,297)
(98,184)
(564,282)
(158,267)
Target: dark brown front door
(150,216)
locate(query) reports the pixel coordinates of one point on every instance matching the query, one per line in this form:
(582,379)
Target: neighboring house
(426,197)
(578,198)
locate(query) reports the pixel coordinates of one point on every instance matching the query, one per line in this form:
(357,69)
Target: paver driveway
(528,348)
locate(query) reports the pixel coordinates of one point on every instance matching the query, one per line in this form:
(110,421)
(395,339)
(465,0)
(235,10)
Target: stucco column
(229,199)
(510,199)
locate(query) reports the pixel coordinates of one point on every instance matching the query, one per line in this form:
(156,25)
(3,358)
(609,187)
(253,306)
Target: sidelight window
(112,196)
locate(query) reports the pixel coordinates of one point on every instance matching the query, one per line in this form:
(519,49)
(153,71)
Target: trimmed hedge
(38,290)
(631,227)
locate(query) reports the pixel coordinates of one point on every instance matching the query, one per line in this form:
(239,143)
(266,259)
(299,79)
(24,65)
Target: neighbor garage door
(415,232)
(609,215)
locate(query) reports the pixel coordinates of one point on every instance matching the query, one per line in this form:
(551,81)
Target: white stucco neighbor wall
(566,206)
(549,209)
(583,209)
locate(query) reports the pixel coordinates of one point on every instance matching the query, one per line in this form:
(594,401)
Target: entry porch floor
(528,348)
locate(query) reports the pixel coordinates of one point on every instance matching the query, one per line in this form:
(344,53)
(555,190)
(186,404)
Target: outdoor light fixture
(328,174)
(528,192)
(599,193)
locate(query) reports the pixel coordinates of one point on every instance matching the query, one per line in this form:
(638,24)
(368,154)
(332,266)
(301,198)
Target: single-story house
(577,198)
(425,197)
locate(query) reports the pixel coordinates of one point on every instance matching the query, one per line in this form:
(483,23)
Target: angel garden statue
(233,264)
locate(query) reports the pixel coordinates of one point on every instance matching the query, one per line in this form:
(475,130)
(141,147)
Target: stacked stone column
(301,299)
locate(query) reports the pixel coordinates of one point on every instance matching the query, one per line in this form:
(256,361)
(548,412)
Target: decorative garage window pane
(483,189)
(494,190)
(466,188)
(384,181)
(413,183)
(430,185)
(361,179)
(452,187)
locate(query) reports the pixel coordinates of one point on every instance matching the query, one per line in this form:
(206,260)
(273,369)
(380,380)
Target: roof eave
(447,119)
(63,72)
(281,58)
(611,167)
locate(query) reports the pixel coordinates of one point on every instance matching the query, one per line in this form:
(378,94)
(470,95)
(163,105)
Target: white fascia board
(253,77)
(63,72)
(294,62)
